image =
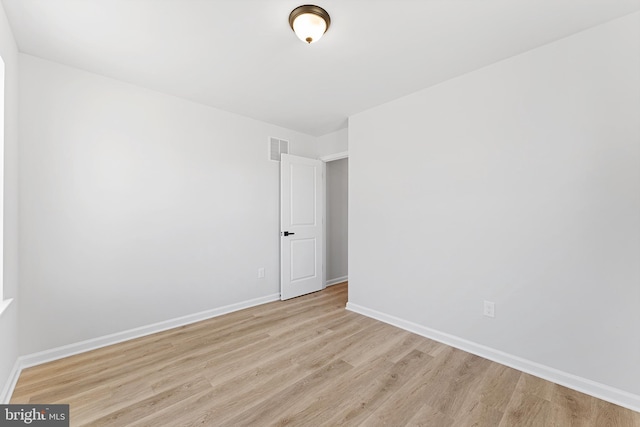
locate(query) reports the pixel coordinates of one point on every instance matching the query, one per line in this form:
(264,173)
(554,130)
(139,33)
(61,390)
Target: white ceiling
(241,55)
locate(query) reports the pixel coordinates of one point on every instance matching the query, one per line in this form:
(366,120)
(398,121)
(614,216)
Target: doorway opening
(314,197)
(336,221)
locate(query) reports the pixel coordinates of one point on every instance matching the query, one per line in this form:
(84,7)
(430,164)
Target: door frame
(326,159)
(336,156)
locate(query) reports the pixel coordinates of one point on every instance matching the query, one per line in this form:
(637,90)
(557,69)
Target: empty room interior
(352,213)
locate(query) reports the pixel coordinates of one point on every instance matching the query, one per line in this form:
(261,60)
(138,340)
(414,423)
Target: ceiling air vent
(277,147)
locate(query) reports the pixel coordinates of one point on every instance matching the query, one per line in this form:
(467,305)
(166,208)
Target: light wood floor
(303,362)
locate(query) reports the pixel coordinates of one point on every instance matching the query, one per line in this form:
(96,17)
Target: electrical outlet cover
(489,309)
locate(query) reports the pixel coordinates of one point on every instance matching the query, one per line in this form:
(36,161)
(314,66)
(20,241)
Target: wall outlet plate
(490,309)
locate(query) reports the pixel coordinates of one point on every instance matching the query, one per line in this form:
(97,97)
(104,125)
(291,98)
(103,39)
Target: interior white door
(301,213)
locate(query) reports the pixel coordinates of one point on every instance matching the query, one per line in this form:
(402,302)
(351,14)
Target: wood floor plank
(189,364)
(231,398)
(467,378)
(318,409)
(477,413)
(299,342)
(610,415)
(527,410)
(570,407)
(427,416)
(386,341)
(536,386)
(110,397)
(271,408)
(408,343)
(330,349)
(367,399)
(302,362)
(430,380)
(146,407)
(497,386)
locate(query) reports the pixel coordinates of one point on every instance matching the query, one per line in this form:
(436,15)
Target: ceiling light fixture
(309,22)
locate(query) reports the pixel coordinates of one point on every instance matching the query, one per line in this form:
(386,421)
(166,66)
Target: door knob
(286,233)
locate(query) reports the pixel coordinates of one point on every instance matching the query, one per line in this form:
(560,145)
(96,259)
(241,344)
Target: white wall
(137,207)
(9,318)
(332,143)
(337,183)
(520,184)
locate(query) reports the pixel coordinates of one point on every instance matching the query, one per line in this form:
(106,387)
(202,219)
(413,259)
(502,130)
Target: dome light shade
(309,22)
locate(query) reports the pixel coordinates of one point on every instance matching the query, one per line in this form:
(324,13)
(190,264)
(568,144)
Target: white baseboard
(5,397)
(80,347)
(601,391)
(336,281)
